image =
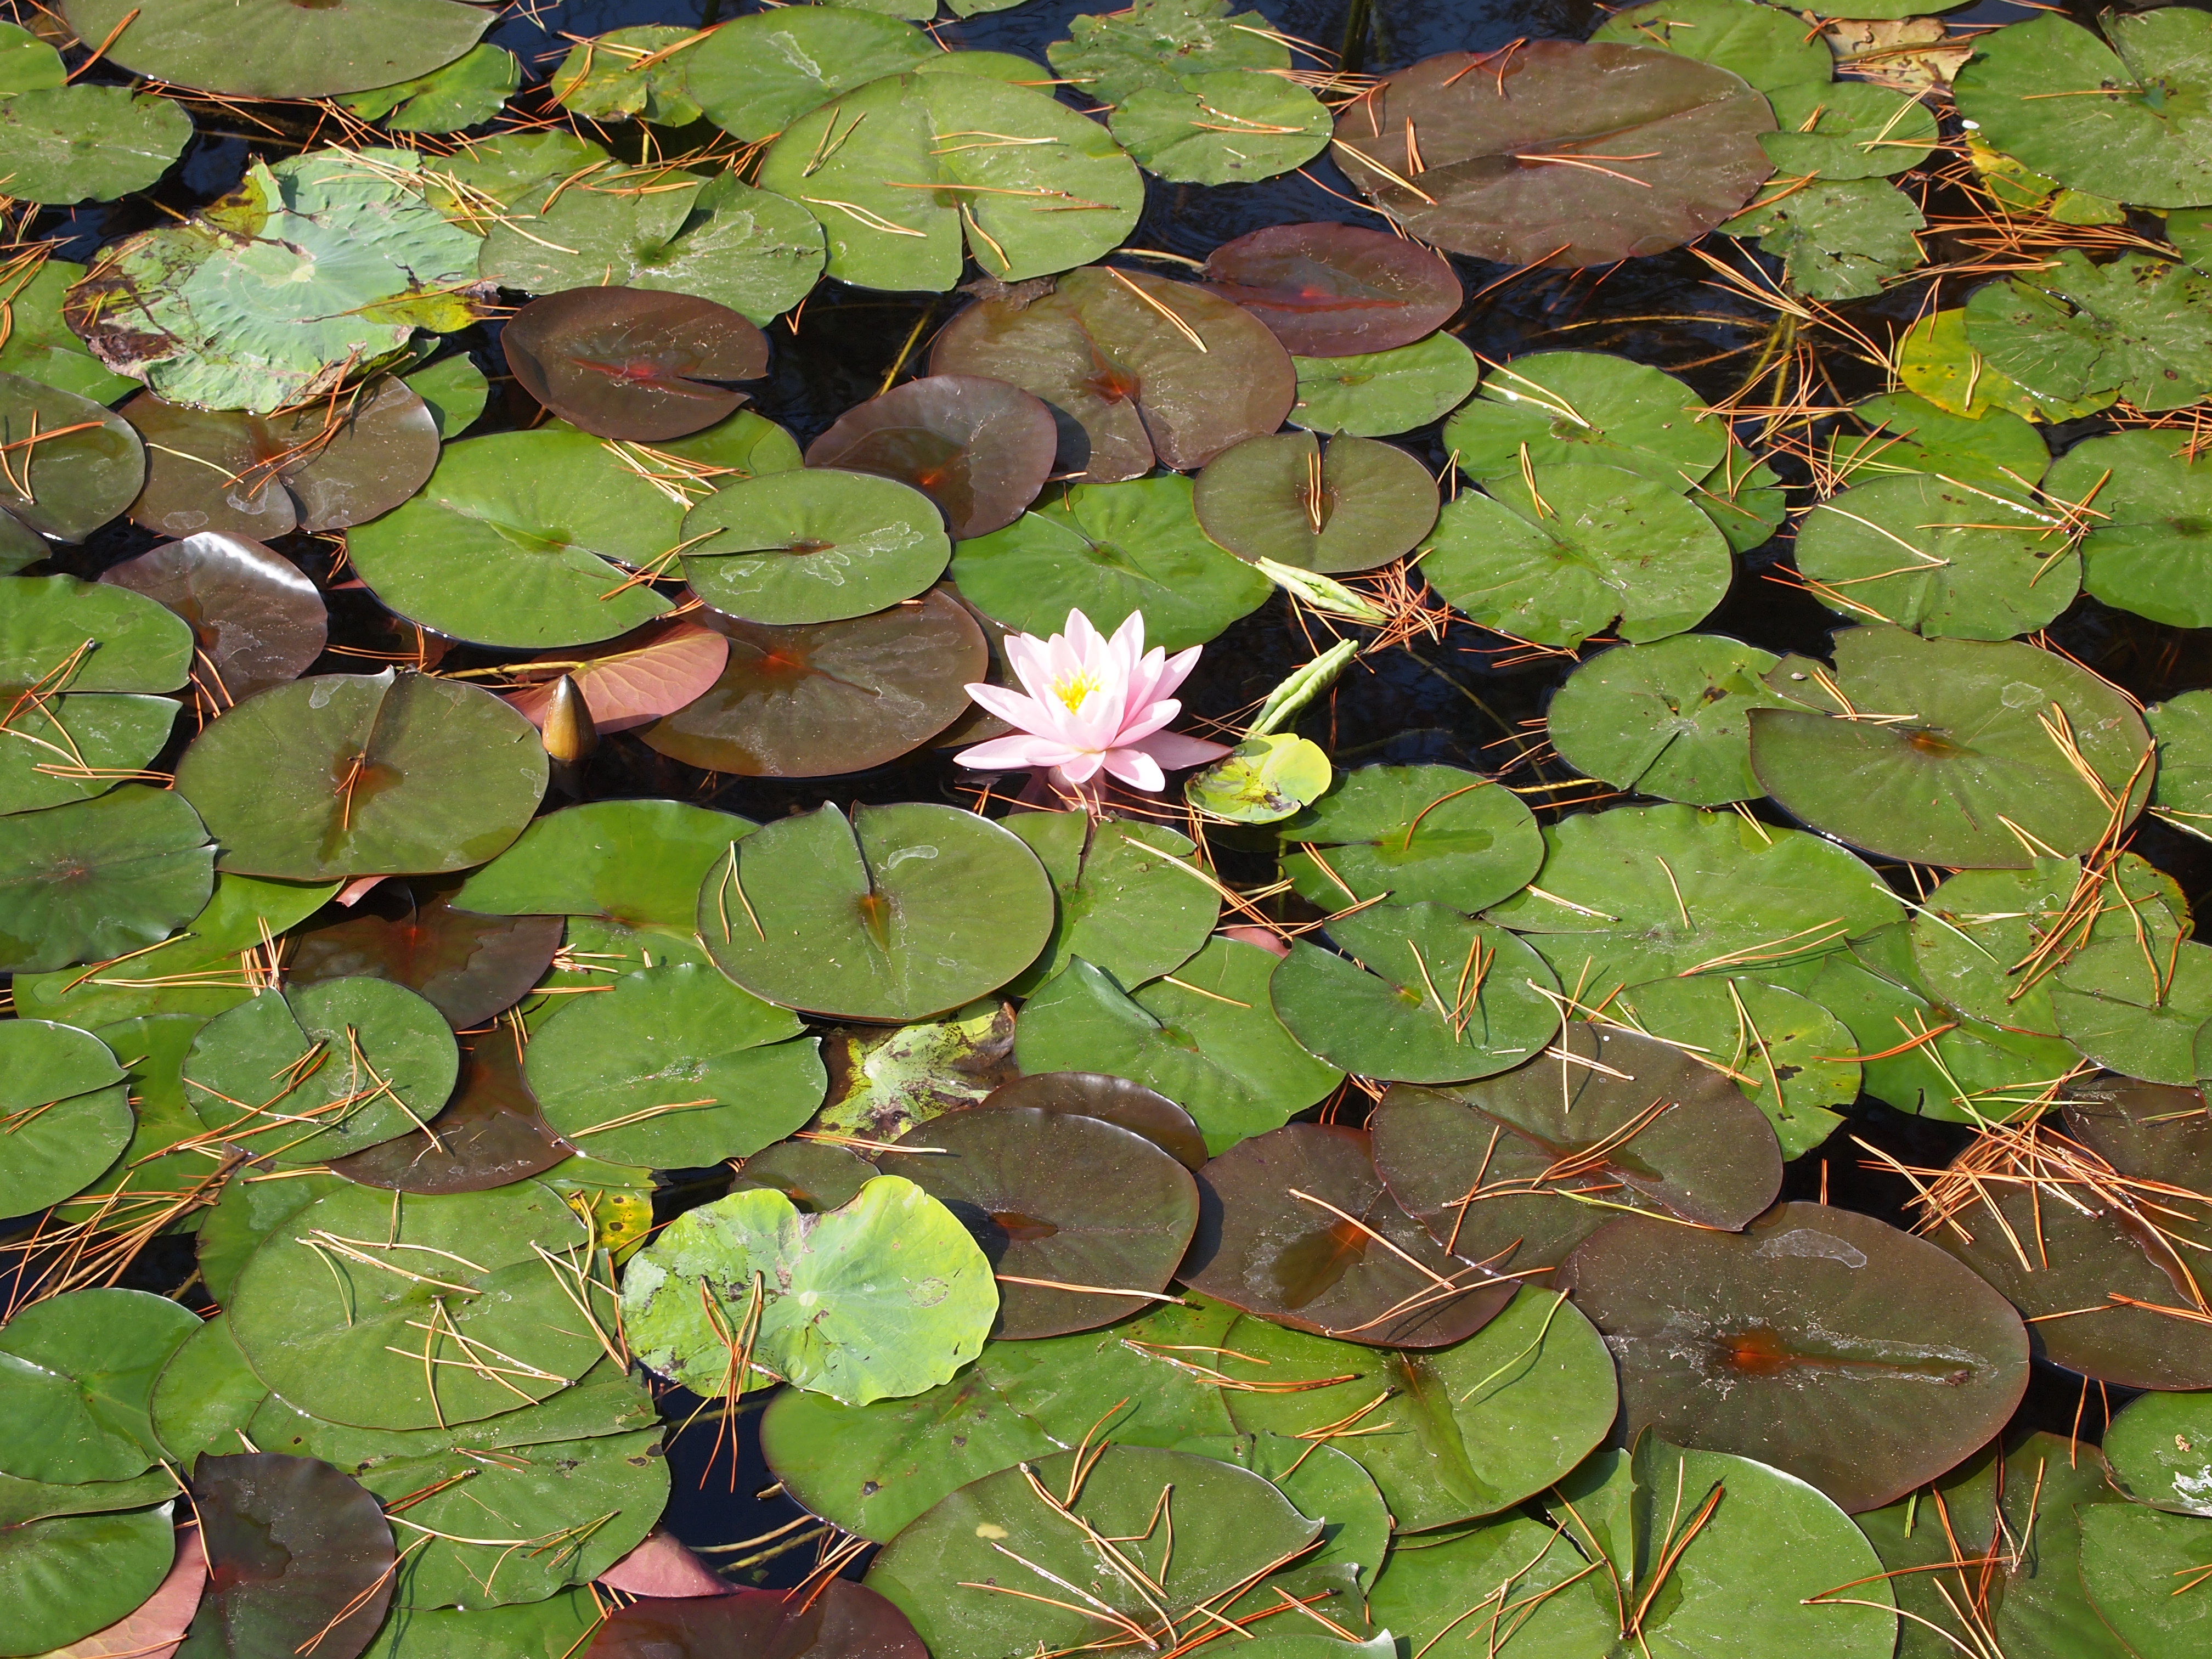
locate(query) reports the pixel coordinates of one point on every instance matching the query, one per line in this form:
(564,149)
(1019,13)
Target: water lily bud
(568,733)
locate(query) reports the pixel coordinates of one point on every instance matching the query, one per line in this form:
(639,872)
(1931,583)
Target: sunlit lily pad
(749,250)
(1124,905)
(1263,779)
(1936,360)
(898,912)
(1223,127)
(523,539)
(76,1371)
(842,697)
(489,1134)
(351,775)
(1592,548)
(1378,394)
(980,448)
(1656,892)
(884,1297)
(1790,1056)
(1670,719)
(40,344)
(1205,1037)
(630,74)
(1136,368)
(1426,996)
(65,1110)
(309,271)
(87,142)
(509,170)
(474,88)
(2160,1450)
(601,1067)
(814,545)
(1842,1351)
(1963,744)
(2131,1559)
(256,619)
(1560,407)
(636,862)
(1558,152)
(1357,505)
(1847,129)
(1155,41)
(101,878)
(1109,550)
(2074,335)
(1417,834)
(270,51)
(2135,1004)
(884,1081)
(1332,290)
(81,462)
(1060,1203)
(642,676)
(65,1576)
(2150,535)
(633,363)
(1763,44)
(1838,238)
(1997,449)
(757,75)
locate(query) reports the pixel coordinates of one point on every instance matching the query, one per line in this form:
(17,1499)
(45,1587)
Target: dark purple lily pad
(633,363)
(980,448)
(814,1174)
(1330,290)
(1821,1341)
(256,620)
(840,1620)
(300,1559)
(1341,1260)
(469,966)
(826,698)
(1137,369)
(1115,1099)
(489,1134)
(1518,1169)
(1557,152)
(1057,1199)
(331,463)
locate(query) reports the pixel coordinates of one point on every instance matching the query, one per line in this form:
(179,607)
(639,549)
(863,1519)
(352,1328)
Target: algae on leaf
(313,270)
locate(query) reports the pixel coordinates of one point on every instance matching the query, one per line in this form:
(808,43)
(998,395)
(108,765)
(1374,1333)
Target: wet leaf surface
(980,448)
(1331,291)
(295,1549)
(468,967)
(633,363)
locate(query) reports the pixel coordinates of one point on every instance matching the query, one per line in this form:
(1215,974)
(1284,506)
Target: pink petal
(1176,670)
(1265,938)
(1129,637)
(1081,635)
(156,1630)
(1010,753)
(1176,749)
(662,1566)
(1025,712)
(1081,769)
(1147,721)
(355,890)
(1031,659)
(1135,768)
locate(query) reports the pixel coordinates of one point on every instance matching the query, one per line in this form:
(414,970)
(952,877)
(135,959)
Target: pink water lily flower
(1094,705)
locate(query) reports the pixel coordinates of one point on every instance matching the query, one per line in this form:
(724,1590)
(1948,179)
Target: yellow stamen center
(1074,693)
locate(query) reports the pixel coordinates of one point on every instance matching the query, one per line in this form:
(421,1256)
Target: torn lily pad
(1838,238)
(311,273)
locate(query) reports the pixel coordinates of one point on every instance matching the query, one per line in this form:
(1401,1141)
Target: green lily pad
(2124,121)
(1109,550)
(636,862)
(66,1576)
(263,51)
(812,545)
(883,1082)
(1417,834)
(757,75)
(2136,1010)
(40,345)
(1645,893)
(205,1395)
(474,87)
(1936,360)
(1378,394)
(897,202)
(485,177)
(2075,336)
(250,1209)
(2151,529)
(1424,996)
(1763,44)
(87,143)
(1123,906)
(2159,1446)
(1231,1526)
(1744,498)
(76,1371)
(622,76)
(383,1309)
(1857,1358)
(2137,1563)
(1223,127)
(1997,449)
(82,462)
(522,539)
(1942,558)
(1964,745)
(1320,1481)
(901,911)
(2182,791)
(349,775)
(885,1296)
(309,272)
(65,1113)
(1155,42)
(1356,505)
(454,390)
(27,62)
(164,1161)
(1264,780)
(1207,1037)
(556,1628)
(1671,718)
(34,1500)
(1593,547)
(601,1067)
(750,250)
(1454,1432)
(98,878)
(1137,369)
(1847,129)
(1837,239)
(1586,407)
(322,1070)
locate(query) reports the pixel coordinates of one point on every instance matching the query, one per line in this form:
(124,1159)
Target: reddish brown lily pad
(827,698)
(300,1558)
(256,620)
(1116,1100)
(1137,369)
(840,1620)
(468,966)
(489,1135)
(1329,290)
(331,463)
(1557,152)
(633,680)
(980,448)
(632,362)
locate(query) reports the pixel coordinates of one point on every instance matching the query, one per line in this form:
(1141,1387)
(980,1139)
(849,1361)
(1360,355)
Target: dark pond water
(1468,698)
